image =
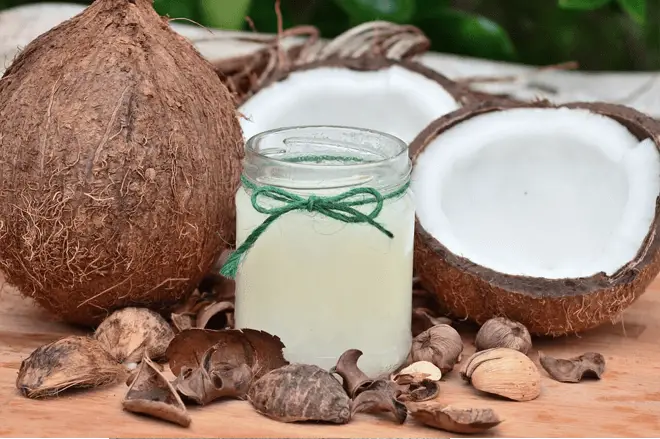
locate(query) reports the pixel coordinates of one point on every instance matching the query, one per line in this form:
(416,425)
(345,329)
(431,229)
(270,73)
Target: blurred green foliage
(598,34)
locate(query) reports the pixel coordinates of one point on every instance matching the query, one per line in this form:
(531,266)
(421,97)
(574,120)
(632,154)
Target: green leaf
(224,14)
(636,9)
(458,32)
(582,4)
(360,11)
(422,7)
(177,8)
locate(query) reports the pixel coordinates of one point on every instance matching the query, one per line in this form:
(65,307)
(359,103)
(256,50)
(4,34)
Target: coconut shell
(545,306)
(460,92)
(120,155)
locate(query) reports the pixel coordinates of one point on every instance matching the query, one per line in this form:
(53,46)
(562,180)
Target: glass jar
(321,276)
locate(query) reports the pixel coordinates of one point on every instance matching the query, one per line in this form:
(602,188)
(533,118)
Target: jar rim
(253,142)
(326,157)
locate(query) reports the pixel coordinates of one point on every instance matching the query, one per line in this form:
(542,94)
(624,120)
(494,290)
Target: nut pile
(209,365)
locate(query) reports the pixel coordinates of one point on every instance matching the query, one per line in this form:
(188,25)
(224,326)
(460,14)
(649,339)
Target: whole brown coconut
(546,306)
(120,154)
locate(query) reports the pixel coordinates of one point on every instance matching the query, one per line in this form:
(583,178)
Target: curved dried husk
(67,363)
(299,393)
(120,154)
(505,372)
(544,306)
(129,334)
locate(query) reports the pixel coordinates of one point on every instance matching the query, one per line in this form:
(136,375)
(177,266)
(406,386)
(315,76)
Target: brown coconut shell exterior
(545,306)
(120,155)
(461,93)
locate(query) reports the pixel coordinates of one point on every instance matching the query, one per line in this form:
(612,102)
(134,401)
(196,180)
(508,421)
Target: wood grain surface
(625,403)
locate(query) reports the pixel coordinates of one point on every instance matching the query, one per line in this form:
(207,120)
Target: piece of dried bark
(129,333)
(424,390)
(215,316)
(453,419)
(417,372)
(182,321)
(378,399)
(300,393)
(573,370)
(353,379)
(424,318)
(151,394)
(70,362)
(135,370)
(211,381)
(258,349)
(210,309)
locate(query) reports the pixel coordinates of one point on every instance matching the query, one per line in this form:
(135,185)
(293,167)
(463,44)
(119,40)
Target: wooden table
(626,402)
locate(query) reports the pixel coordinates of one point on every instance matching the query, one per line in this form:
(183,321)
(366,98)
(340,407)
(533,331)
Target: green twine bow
(340,207)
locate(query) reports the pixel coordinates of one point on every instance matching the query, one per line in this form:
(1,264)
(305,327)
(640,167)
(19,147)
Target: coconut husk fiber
(120,154)
(301,47)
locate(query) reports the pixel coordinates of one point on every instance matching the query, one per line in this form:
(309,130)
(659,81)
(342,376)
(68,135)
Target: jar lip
(252,142)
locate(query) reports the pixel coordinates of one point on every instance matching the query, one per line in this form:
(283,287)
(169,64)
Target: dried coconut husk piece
(573,370)
(68,363)
(151,394)
(353,379)
(504,372)
(441,345)
(182,321)
(419,381)
(129,334)
(500,332)
(545,306)
(423,319)
(213,311)
(247,73)
(211,306)
(213,380)
(379,397)
(454,419)
(134,372)
(417,372)
(261,351)
(206,315)
(300,393)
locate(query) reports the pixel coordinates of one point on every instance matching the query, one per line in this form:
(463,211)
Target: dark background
(598,34)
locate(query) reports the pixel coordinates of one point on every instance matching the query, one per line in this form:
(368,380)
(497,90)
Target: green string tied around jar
(340,207)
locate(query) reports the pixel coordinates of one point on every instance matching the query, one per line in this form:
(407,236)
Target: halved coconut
(392,96)
(544,214)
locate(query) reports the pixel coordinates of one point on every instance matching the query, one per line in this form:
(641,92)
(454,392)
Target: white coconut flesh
(551,193)
(394,100)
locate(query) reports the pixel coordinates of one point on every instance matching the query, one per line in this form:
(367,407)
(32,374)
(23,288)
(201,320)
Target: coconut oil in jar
(320,277)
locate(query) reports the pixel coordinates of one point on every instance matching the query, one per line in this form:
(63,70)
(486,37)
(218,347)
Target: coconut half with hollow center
(396,97)
(545,214)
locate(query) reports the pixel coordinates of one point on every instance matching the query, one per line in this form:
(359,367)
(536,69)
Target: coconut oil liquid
(324,286)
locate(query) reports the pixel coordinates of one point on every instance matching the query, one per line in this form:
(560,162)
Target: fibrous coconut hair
(546,214)
(120,153)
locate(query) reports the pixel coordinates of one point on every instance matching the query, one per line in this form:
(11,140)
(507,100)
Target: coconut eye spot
(552,193)
(393,100)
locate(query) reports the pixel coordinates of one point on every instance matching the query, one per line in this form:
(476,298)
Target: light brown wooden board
(626,402)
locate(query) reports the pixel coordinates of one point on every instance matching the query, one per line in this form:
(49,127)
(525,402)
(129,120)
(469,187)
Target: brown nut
(441,345)
(505,372)
(500,332)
